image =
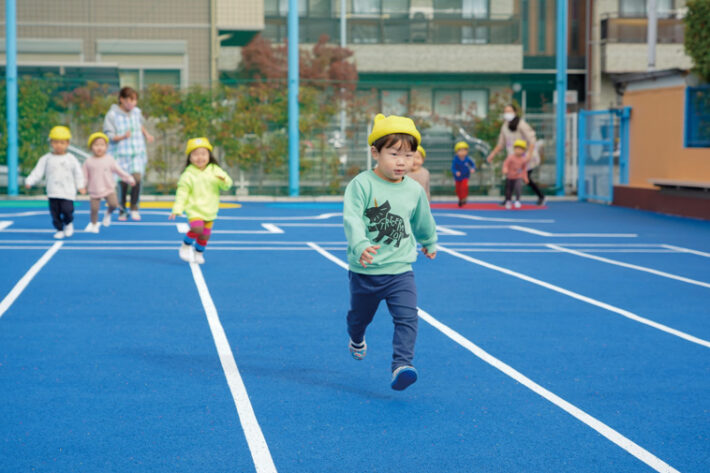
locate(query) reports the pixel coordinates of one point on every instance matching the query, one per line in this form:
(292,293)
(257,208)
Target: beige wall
(656,139)
(436,58)
(620,57)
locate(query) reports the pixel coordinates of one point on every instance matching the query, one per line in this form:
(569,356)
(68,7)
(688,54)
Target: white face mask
(508,116)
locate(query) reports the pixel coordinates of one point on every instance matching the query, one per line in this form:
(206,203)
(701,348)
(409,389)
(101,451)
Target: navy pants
(62,211)
(400,292)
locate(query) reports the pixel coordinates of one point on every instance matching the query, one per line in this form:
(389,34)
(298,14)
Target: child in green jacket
(198,196)
(385,214)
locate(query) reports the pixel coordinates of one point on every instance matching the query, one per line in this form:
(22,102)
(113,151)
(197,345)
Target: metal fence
(603,153)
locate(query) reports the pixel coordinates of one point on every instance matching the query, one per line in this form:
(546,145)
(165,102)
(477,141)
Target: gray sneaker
(358,350)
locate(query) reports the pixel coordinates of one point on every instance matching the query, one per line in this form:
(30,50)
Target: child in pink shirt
(515,170)
(98,173)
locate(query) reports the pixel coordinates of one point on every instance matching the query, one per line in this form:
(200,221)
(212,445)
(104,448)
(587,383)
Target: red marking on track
(481,206)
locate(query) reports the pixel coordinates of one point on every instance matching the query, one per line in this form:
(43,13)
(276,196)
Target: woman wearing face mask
(515,128)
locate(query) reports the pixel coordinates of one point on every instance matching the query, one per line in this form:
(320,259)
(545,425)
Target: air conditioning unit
(421,13)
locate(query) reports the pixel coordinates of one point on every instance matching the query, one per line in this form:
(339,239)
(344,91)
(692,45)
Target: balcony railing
(386,29)
(634,30)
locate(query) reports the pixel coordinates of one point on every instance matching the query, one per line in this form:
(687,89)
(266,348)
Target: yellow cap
(422,151)
(520,144)
(460,145)
(96,135)
(384,126)
(60,133)
(195,143)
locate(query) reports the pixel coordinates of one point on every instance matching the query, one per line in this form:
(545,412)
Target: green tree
(697,36)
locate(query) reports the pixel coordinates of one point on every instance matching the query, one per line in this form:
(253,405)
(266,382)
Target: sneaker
(517,204)
(59,235)
(92,228)
(186,253)
(135,215)
(508,205)
(106,222)
(68,230)
(403,377)
(541,201)
(199,257)
(122,217)
(358,351)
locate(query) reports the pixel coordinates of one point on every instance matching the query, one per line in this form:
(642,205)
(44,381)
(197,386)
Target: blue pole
(11,85)
(293,133)
(624,157)
(581,154)
(561,52)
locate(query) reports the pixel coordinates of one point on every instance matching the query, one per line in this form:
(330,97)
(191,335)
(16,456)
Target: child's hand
(132,181)
(149,138)
(431,255)
(172,216)
(82,191)
(458,173)
(368,255)
(221,178)
(126,135)
(27,186)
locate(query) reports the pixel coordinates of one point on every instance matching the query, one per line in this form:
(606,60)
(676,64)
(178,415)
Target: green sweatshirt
(390,214)
(198,192)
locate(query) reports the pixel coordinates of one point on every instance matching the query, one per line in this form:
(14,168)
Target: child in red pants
(461,167)
(198,196)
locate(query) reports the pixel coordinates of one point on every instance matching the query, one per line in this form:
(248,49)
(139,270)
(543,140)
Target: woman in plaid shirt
(125,126)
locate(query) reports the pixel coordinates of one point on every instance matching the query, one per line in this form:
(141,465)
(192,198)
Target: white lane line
(611,434)
(493,219)
(631,447)
(686,250)
(630,266)
(447,230)
(574,295)
(4,224)
(272,228)
(255,438)
(24,214)
(29,275)
(272,218)
(575,235)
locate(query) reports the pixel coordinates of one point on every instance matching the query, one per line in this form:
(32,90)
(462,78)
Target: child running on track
(419,173)
(385,213)
(515,170)
(98,172)
(198,196)
(461,167)
(64,177)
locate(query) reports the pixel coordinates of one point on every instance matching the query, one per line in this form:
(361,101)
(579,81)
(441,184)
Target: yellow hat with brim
(195,143)
(390,125)
(422,151)
(460,145)
(520,144)
(60,133)
(95,136)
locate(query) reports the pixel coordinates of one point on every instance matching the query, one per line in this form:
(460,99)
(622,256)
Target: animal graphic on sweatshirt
(386,224)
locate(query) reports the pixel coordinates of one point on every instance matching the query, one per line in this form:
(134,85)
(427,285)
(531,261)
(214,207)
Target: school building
(450,55)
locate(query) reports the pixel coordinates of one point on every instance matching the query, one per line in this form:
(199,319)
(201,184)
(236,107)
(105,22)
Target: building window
(474,103)
(637,8)
(460,103)
(697,117)
(306,8)
(394,101)
(139,79)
